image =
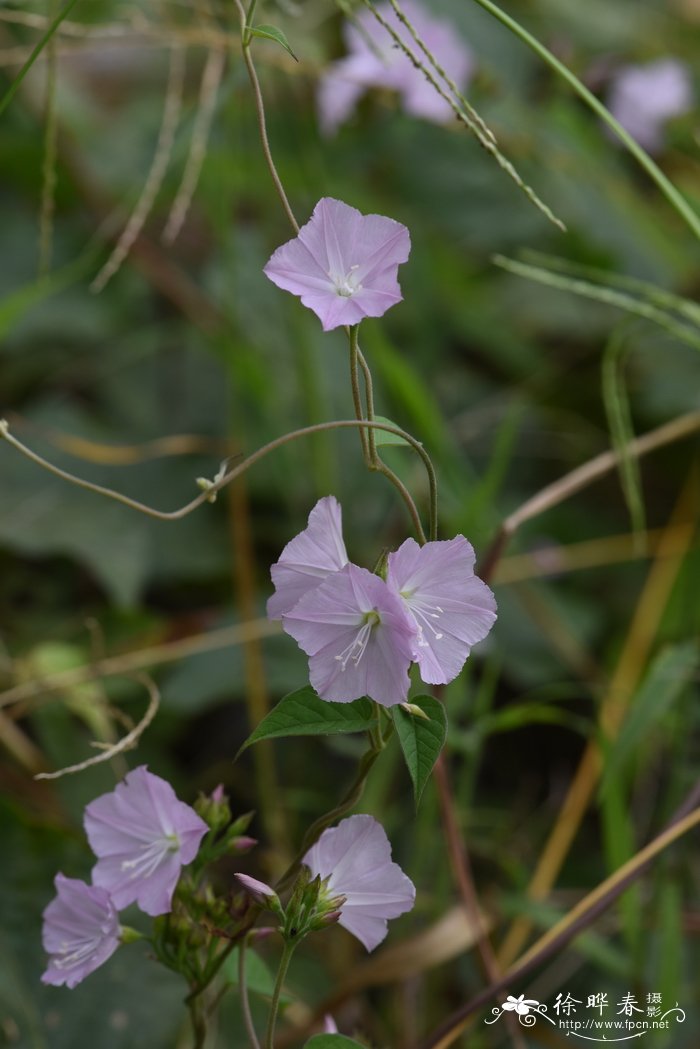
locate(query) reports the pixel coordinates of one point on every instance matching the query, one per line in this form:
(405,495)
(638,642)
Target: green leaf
(332,1041)
(271,32)
(669,674)
(383,437)
(304,713)
(421,739)
(259,979)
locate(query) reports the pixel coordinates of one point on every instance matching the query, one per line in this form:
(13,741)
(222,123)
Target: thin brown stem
(567,929)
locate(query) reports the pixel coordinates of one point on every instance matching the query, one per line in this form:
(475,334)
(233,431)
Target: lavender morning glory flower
(343,265)
(358,635)
(142,835)
(374,60)
(307,559)
(355,857)
(81,931)
(643,98)
(451,608)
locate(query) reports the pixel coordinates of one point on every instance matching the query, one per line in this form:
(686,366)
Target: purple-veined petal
(309,558)
(451,607)
(343,265)
(80,931)
(358,636)
(355,857)
(142,835)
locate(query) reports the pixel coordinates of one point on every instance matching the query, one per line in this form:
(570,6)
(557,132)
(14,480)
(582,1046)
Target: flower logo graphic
(521,1005)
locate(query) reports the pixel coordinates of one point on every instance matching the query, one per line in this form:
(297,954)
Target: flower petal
(355,857)
(352,656)
(142,835)
(80,931)
(452,608)
(308,558)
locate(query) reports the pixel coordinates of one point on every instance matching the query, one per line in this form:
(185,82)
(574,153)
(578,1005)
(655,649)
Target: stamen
(356,649)
(150,856)
(423,613)
(346,285)
(78,949)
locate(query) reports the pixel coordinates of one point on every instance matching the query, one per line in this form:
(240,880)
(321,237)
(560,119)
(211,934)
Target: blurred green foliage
(499,377)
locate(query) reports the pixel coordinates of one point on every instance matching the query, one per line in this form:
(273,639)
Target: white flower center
(346,284)
(150,856)
(356,648)
(423,613)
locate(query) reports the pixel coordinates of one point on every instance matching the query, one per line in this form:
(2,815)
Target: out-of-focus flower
(643,98)
(358,636)
(307,559)
(354,859)
(450,606)
(81,931)
(142,836)
(343,265)
(374,60)
(329,1025)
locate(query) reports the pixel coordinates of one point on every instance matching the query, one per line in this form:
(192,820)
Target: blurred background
(143,374)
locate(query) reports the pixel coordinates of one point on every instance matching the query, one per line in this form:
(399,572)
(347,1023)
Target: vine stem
(350,799)
(641,156)
(260,109)
(289,947)
(216,486)
(243,991)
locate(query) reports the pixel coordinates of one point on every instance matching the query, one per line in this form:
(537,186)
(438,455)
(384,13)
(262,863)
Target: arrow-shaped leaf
(421,738)
(271,32)
(304,713)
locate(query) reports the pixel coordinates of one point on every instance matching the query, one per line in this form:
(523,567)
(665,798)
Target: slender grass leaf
(421,739)
(666,679)
(617,408)
(304,713)
(609,296)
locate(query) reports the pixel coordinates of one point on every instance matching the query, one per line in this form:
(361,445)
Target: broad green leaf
(332,1041)
(259,979)
(271,32)
(304,713)
(421,739)
(383,437)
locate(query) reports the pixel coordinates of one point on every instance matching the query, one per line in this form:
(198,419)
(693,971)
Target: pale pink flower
(452,609)
(307,559)
(81,931)
(374,60)
(643,98)
(355,858)
(343,265)
(142,836)
(358,636)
